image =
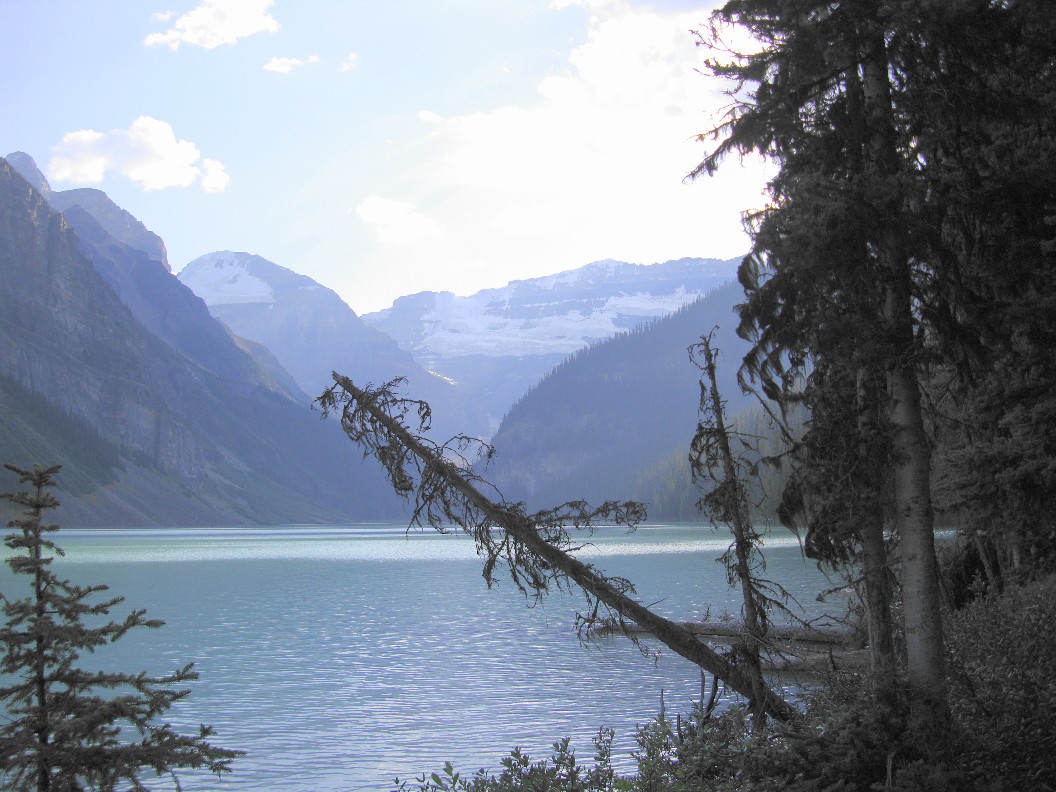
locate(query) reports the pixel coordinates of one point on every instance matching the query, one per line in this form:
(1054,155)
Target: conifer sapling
(67,728)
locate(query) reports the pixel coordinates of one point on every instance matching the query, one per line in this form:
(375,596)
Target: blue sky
(382,148)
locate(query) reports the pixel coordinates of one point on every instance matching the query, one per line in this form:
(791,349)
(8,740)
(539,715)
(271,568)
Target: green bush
(1002,661)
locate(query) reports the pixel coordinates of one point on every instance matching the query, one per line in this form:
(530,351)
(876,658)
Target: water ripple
(340,658)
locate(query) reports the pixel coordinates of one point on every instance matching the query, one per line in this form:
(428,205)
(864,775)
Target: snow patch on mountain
(555,314)
(224,279)
(469,326)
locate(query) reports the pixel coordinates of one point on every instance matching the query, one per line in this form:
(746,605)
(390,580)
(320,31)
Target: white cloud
(591,4)
(397,223)
(593,168)
(215,22)
(161,16)
(286,65)
(214,176)
(147,153)
(350,63)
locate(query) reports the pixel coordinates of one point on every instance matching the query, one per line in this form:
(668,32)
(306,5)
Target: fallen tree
(536,549)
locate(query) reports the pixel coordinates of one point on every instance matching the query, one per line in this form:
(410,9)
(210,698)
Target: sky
(383,148)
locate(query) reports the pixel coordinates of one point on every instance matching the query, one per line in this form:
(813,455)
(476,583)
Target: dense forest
(899,294)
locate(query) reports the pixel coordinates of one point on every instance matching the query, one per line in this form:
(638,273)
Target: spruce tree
(67,728)
(840,246)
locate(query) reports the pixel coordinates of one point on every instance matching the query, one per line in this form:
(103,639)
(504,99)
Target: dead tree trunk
(712,458)
(447,492)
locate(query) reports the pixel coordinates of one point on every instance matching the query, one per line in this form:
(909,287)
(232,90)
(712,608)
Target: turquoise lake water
(339,658)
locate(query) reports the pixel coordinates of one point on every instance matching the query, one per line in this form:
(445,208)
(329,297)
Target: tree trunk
(925,661)
(874,557)
(735,510)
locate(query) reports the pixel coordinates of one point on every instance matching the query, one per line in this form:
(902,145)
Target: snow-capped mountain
(312,331)
(556,314)
(471,357)
(497,344)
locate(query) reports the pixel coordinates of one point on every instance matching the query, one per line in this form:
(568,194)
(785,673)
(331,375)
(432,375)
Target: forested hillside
(616,410)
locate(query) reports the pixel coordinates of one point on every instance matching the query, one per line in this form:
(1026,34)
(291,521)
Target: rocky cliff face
(132,261)
(66,335)
(118,223)
(178,428)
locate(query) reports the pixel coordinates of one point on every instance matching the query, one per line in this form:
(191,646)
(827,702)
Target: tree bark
(925,661)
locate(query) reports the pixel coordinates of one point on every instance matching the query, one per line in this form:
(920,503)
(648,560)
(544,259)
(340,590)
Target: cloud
(350,63)
(148,153)
(396,222)
(592,168)
(286,65)
(214,176)
(215,22)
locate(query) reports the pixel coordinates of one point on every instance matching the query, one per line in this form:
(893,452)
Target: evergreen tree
(68,728)
(853,267)
(909,232)
(990,142)
(724,474)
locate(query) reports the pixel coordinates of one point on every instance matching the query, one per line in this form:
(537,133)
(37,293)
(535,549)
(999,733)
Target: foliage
(991,144)
(1002,656)
(909,231)
(63,732)
(723,474)
(560,773)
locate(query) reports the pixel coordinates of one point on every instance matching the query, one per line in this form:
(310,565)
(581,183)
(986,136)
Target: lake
(339,658)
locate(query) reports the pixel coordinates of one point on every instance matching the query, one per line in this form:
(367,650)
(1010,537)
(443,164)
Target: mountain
(160,417)
(609,414)
(312,332)
(117,222)
(498,343)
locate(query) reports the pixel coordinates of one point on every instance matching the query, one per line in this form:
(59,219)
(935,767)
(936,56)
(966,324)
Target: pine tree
(839,251)
(68,728)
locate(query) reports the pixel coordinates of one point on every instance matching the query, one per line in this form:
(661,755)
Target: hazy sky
(382,147)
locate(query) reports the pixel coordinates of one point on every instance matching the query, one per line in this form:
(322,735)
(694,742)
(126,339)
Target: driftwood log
(791,648)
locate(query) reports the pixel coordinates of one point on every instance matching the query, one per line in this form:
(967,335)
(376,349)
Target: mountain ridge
(614,410)
(166,440)
(498,343)
(311,331)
